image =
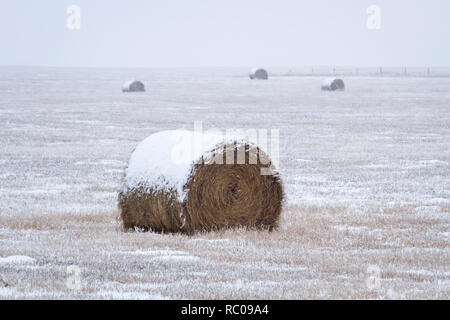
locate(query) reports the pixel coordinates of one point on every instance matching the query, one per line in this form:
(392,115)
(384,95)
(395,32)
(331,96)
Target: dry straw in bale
(162,194)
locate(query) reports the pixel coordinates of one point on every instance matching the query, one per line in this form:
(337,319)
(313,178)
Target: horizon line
(224,67)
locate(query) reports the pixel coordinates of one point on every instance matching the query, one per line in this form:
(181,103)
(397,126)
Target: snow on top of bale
(328,81)
(164,160)
(127,84)
(254,70)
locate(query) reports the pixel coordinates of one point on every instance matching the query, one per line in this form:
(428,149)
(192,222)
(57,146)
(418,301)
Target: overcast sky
(185,33)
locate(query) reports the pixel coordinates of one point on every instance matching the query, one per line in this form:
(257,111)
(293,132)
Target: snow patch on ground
(128,295)
(165,255)
(17,260)
(211,240)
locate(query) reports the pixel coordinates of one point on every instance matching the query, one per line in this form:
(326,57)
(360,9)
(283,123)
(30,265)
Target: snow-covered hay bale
(181,181)
(259,74)
(133,86)
(333,84)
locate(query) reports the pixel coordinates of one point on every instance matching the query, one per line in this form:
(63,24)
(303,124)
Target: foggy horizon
(200,33)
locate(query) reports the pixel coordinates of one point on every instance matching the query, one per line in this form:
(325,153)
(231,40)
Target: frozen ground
(366,174)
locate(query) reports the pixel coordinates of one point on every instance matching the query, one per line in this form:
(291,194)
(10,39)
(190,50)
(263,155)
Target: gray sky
(185,33)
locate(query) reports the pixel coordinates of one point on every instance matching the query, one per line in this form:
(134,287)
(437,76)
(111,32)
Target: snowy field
(366,175)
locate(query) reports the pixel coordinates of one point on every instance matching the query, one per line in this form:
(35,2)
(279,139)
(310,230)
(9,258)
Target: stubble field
(366,175)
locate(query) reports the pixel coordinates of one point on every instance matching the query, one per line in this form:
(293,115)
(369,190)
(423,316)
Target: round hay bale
(181,181)
(333,84)
(258,74)
(133,86)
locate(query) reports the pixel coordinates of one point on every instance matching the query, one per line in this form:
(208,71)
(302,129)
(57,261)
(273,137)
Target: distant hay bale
(133,86)
(259,74)
(178,182)
(333,84)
